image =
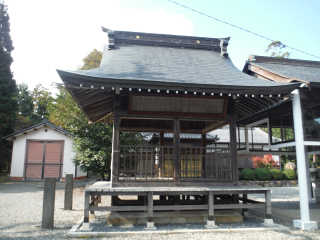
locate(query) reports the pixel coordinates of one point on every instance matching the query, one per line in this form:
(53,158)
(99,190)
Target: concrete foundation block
(85,227)
(179,220)
(268,221)
(305,225)
(211,224)
(142,221)
(150,226)
(194,219)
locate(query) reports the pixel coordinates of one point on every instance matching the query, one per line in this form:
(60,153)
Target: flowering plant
(266,162)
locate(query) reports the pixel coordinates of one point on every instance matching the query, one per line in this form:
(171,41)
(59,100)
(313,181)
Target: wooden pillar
(211,206)
(268,205)
(203,153)
(86,208)
(161,139)
(235,198)
(233,143)
(161,144)
(115,151)
(150,207)
(176,201)
(68,192)
(49,194)
(176,150)
(245,201)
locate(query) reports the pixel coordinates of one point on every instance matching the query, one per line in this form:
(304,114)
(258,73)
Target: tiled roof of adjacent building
(292,69)
(223,135)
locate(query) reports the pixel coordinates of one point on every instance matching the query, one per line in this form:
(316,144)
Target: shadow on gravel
(25,187)
(284,205)
(295,234)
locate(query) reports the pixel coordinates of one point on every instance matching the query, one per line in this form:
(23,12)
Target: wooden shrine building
(170,84)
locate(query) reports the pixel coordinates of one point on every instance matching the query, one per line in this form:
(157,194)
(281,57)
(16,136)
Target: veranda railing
(149,163)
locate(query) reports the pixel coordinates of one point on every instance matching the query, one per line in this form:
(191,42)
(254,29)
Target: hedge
(262,174)
(276,174)
(289,174)
(247,174)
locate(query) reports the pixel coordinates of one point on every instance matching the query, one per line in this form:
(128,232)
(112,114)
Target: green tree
(91,61)
(63,111)
(276,46)
(25,105)
(8,89)
(41,97)
(25,101)
(32,105)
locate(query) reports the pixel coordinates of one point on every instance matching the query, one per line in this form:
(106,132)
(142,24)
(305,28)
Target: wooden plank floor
(106,187)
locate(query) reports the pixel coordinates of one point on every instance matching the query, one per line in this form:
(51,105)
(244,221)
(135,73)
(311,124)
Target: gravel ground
(21,212)
(284,198)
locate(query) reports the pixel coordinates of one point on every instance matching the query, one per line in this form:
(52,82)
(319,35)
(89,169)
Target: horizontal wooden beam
(174,214)
(239,206)
(152,129)
(176,207)
(124,114)
(118,208)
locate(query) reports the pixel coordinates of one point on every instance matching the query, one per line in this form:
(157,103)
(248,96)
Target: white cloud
(59,34)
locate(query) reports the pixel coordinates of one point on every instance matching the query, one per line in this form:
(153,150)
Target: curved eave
(70,78)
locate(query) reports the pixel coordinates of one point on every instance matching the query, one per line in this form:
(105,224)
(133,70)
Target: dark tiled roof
(291,68)
(165,65)
(45,123)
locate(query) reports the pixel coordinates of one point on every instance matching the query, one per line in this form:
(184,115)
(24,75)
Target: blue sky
(50,35)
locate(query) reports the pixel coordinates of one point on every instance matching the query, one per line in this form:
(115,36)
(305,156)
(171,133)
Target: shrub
(247,174)
(262,174)
(276,174)
(289,174)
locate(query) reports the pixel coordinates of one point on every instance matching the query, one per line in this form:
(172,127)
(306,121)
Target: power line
(239,27)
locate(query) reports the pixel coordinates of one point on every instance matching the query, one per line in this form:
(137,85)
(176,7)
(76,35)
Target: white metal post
(304,223)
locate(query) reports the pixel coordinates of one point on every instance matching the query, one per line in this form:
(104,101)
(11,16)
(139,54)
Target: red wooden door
(44,159)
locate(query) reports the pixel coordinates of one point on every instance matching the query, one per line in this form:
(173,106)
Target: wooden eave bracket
(108,118)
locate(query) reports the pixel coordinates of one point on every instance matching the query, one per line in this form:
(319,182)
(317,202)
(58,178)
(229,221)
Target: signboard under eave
(177,105)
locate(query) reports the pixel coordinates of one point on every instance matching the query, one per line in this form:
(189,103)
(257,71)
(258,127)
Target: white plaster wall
(19,149)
